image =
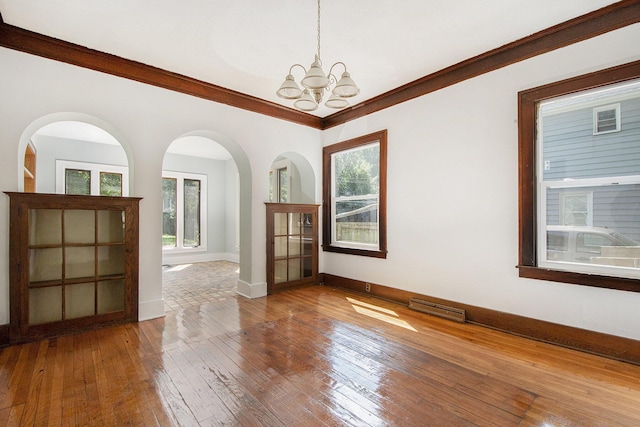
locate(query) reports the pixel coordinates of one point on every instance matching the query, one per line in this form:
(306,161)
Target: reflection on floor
(185,285)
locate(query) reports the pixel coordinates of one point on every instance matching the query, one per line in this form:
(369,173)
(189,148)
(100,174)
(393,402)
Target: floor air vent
(439,310)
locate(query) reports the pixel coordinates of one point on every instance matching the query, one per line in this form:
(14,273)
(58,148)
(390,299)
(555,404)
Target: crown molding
(598,22)
(609,18)
(48,47)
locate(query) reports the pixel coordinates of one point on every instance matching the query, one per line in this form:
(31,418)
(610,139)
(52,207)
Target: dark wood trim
(327,151)
(527,105)
(610,346)
(48,47)
(609,18)
(5,333)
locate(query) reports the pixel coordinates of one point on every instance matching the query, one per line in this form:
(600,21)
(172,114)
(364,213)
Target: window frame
(577,193)
(527,177)
(180,177)
(95,169)
(596,110)
(327,189)
(276,184)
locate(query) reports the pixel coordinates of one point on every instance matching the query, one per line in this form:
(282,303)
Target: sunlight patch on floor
(179,267)
(379,313)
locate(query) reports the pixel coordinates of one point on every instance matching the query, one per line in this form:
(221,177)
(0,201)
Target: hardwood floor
(307,357)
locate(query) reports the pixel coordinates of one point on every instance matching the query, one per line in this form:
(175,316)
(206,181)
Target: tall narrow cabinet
(74,263)
(292,245)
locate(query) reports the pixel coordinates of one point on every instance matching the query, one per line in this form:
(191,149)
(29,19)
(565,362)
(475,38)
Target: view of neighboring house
(589,150)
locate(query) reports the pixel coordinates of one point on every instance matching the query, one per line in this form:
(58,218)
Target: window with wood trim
(355,194)
(579,191)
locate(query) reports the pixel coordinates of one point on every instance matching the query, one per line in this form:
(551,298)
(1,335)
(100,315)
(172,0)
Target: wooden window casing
(527,106)
(328,151)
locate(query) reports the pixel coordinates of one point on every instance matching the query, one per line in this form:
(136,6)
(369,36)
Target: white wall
(453,195)
(145,119)
(452,214)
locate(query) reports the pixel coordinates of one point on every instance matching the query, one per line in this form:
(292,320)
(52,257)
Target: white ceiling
(249,45)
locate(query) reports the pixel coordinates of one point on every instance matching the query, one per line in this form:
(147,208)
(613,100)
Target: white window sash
(180,177)
(95,170)
(541,231)
(334,215)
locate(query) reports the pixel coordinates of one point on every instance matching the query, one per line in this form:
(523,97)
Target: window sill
(354,251)
(569,277)
(184,250)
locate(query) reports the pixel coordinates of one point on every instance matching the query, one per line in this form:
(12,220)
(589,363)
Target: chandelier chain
(318,29)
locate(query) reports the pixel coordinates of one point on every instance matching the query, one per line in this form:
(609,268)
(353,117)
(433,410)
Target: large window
(183,211)
(354,184)
(91,178)
(580,180)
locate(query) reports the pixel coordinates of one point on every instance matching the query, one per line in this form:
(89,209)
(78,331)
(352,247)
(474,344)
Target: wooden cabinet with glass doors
(292,245)
(74,263)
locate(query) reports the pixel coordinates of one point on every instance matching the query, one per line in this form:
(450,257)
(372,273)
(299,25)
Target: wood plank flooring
(310,357)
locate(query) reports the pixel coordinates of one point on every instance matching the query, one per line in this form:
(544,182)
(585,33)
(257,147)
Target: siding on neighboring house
(613,207)
(572,152)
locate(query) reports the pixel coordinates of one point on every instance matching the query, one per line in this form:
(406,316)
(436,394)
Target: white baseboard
(255,290)
(148,310)
(189,258)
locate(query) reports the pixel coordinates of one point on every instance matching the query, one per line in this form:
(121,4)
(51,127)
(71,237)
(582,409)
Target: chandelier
(316,83)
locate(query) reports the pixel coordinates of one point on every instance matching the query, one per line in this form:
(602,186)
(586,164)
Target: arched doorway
(74,153)
(206,217)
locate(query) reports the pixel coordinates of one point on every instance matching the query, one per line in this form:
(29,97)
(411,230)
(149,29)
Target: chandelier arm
(297,65)
(331,69)
(332,77)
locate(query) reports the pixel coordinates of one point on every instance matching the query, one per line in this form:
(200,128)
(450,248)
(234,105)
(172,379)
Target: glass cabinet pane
(294,223)
(280,271)
(110,296)
(45,305)
(280,246)
(295,272)
(45,226)
(307,246)
(79,300)
(79,226)
(307,267)
(279,223)
(110,226)
(45,264)
(79,262)
(110,260)
(307,225)
(295,248)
